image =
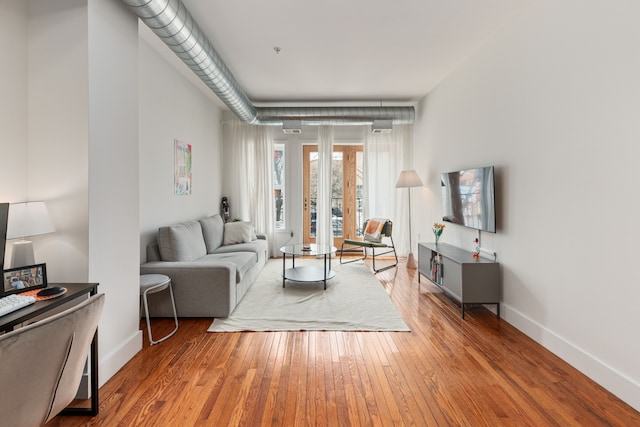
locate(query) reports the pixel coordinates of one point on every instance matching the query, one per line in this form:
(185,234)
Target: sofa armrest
(204,289)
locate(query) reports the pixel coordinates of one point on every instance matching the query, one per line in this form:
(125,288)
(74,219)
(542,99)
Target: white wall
(173,108)
(58,132)
(113,180)
(553,103)
(43,128)
(13,100)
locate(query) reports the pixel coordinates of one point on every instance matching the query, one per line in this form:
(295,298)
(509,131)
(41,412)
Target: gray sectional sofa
(211,265)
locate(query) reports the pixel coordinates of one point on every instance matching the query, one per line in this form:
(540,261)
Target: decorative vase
(437,239)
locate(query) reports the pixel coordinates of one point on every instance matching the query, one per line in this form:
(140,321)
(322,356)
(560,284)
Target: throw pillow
(238,232)
(373,231)
(213,232)
(181,242)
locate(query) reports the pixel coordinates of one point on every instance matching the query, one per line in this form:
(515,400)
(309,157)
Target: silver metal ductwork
(334,115)
(171,21)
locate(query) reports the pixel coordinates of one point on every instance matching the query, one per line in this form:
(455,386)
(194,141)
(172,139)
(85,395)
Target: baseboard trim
(608,377)
(111,363)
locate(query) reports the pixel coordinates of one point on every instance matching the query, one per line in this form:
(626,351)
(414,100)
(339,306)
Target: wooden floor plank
(382,409)
(480,371)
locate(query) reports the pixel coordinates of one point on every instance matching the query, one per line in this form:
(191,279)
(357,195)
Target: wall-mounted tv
(468,198)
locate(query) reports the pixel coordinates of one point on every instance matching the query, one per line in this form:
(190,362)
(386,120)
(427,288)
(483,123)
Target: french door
(347,208)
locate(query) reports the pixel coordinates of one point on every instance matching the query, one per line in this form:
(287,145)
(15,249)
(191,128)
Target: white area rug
(354,301)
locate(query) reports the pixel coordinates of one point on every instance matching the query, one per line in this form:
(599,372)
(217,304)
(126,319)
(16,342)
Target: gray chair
(384,247)
(43,363)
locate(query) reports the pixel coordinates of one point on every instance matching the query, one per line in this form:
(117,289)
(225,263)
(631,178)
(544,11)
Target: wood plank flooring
(445,372)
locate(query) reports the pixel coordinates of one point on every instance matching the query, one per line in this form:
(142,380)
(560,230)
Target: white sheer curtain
(250,177)
(324,232)
(385,156)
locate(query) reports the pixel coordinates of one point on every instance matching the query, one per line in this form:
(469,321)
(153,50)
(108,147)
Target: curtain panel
(385,156)
(250,177)
(324,232)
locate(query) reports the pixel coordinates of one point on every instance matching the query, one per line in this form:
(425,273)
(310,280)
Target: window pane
(278,184)
(313,191)
(337,178)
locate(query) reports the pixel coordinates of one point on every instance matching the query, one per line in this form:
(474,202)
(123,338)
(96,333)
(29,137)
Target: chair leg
(393,249)
(364,256)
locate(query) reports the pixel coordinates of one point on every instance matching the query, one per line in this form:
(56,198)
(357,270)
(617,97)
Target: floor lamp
(409,179)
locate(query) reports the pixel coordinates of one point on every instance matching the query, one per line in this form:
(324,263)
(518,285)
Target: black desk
(74,290)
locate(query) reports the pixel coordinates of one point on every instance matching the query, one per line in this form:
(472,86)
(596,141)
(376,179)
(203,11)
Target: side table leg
(284,259)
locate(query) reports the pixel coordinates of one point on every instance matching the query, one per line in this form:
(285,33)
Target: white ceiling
(345,51)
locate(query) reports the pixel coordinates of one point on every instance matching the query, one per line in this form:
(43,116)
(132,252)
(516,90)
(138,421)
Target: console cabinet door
(452,277)
(424,261)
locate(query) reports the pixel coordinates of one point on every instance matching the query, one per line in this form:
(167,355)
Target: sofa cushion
(243,261)
(213,232)
(258,246)
(238,232)
(181,242)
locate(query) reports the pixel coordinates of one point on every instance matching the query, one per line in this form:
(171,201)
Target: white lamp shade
(408,179)
(28,219)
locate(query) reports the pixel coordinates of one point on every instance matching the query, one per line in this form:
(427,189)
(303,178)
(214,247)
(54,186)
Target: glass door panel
(337,192)
(346,192)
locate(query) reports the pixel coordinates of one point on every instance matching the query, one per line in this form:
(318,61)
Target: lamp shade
(408,179)
(28,219)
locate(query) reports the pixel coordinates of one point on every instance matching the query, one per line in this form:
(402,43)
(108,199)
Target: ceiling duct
(171,21)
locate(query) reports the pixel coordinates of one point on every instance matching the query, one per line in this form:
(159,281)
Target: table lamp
(409,179)
(25,220)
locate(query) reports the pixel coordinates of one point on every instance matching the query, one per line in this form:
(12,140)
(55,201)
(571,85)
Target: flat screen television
(468,198)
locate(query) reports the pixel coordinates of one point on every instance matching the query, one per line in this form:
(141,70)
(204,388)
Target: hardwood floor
(447,371)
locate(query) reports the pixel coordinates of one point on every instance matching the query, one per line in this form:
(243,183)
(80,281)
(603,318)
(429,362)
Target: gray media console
(467,279)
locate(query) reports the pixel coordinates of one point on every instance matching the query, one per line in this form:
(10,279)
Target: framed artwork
(24,279)
(182,168)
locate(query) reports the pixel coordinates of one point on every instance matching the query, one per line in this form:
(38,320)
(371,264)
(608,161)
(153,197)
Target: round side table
(150,284)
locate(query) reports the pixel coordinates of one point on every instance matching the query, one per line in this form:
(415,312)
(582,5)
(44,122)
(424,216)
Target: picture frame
(23,279)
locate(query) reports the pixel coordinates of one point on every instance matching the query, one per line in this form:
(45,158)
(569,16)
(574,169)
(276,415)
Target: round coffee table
(307,273)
